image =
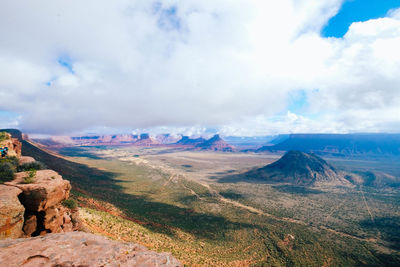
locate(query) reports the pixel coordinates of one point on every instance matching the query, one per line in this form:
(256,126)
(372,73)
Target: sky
(236,67)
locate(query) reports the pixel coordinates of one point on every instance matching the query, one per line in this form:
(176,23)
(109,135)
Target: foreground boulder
(47,190)
(42,199)
(11,213)
(79,249)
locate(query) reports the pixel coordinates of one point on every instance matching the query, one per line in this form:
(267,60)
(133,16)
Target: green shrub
(12,160)
(3,136)
(30,178)
(7,171)
(36,165)
(70,203)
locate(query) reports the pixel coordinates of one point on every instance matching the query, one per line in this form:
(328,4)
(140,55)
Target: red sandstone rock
(26,159)
(14,146)
(75,220)
(54,219)
(66,218)
(67,225)
(11,213)
(17,146)
(79,249)
(30,225)
(216,143)
(47,190)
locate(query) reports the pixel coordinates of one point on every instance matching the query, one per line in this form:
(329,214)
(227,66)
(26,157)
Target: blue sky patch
(50,82)
(298,102)
(66,62)
(8,119)
(168,19)
(354,11)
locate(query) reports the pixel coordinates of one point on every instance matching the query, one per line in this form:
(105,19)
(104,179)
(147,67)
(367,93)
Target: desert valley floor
(196,205)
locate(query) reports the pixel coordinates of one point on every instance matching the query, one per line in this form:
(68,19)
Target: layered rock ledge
(47,190)
(79,249)
(42,201)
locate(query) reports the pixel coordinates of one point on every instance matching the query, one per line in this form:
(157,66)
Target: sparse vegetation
(12,160)
(36,165)
(6,172)
(8,167)
(70,203)
(230,194)
(167,208)
(3,136)
(30,177)
(186,165)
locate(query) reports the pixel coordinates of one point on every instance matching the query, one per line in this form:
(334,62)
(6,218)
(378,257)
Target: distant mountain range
(294,167)
(322,144)
(337,144)
(105,139)
(215,143)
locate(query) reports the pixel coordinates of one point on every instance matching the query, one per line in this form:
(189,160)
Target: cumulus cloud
(73,65)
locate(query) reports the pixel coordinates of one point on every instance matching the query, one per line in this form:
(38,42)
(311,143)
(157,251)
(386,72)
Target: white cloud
(142,64)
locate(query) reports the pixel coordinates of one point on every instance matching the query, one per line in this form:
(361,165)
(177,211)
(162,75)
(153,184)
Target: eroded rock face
(17,146)
(11,213)
(42,200)
(79,249)
(30,225)
(46,191)
(14,146)
(216,143)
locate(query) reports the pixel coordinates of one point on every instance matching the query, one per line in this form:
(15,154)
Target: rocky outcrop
(215,143)
(47,190)
(11,213)
(41,200)
(166,139)
(79,249)
(145,140)
(14,146)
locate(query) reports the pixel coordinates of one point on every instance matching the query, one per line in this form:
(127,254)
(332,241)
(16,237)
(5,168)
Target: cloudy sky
(239,67)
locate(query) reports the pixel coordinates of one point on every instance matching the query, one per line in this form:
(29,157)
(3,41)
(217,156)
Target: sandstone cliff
(215,143)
